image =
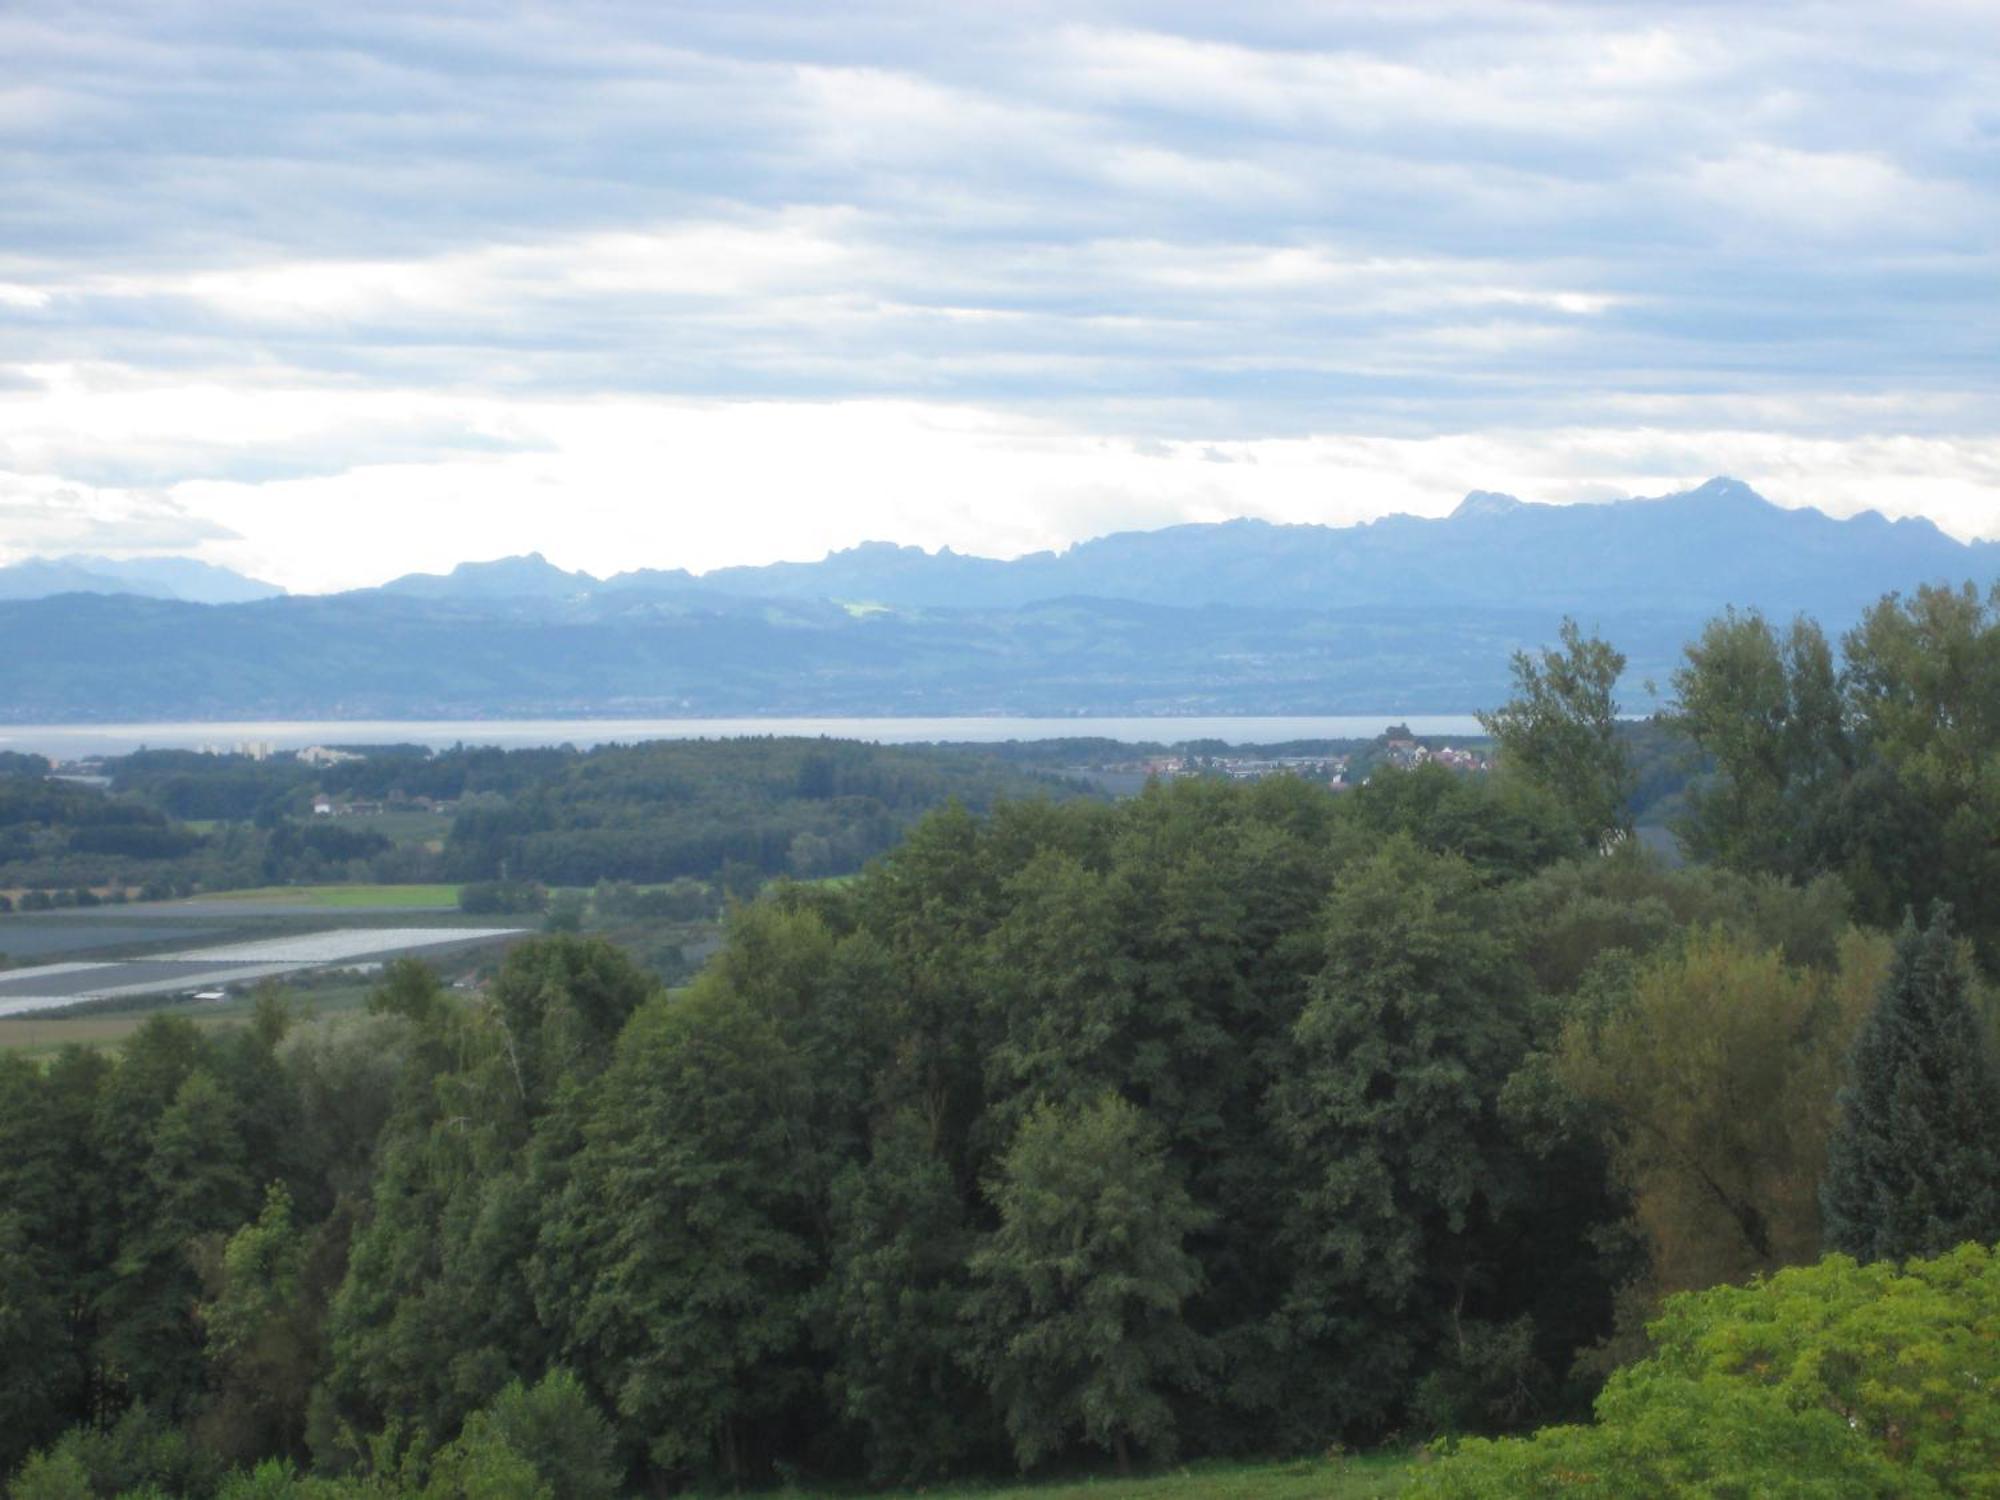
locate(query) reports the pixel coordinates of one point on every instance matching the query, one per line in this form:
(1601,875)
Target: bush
(1834,1380)
(55,1475)
(503,897)
(558,1430)
(139,1453)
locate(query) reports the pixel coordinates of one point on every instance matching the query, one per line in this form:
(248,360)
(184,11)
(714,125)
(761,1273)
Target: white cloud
(612,483)
(1837,193)
(41,515)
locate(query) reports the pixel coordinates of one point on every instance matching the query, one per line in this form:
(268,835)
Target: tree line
(732,813)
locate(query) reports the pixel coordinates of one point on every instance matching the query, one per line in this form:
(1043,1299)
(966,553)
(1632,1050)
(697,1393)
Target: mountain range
(147,577)
(1400,614)
(1720,543)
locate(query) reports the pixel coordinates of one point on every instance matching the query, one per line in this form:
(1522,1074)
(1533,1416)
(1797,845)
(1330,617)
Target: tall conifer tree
(1914,1164)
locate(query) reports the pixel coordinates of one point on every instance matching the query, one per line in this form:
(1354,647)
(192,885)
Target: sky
(333,292)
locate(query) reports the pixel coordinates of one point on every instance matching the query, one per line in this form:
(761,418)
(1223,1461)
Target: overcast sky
(330,292)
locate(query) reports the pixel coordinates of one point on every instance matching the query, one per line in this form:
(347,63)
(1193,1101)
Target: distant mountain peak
(179,578)
(1486,503)
(1722,487)
(527,575)
(525,562)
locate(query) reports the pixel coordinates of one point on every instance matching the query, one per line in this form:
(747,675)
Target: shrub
(1835,1380)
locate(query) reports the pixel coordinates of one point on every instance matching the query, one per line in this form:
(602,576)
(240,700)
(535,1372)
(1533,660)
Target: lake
(74,741)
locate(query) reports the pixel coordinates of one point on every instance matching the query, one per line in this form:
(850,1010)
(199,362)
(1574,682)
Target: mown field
(1369,1477)
(342,897)
(43,1036)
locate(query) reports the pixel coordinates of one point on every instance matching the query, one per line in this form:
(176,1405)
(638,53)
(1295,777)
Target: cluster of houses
(1403,751)
(249,749)
(327,806)
(1406,753)
(1328,770)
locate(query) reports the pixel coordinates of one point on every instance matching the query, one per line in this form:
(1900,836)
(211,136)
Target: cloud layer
(688,286)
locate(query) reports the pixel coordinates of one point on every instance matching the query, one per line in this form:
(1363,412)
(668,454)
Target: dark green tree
(435,1315)
(263,1336)
(197,1181)
(676,1264)
(1389,1108)
(37,1386)
(894,1304)
(1914,1164)
(1081,1288)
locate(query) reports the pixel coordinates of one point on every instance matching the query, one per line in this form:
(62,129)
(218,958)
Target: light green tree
(1560,731)
(1827,1382)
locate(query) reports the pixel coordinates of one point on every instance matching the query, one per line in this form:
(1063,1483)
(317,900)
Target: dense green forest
(730,813)
(1231,1119)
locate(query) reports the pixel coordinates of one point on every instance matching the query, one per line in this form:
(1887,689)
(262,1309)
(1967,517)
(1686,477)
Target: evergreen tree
(1913,1167)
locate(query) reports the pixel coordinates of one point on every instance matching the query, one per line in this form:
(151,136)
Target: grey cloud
(69,519)
(1770,201)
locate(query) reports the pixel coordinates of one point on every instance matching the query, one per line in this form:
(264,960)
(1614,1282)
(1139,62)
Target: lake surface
(73,741)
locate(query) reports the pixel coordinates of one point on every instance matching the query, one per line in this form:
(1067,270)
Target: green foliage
(435,1314)
(680,1255)
(1885,772)
(263,1324)
(1713,1075)
(1388,1104)
(1833,1380)
(566,912)
(557,1429)
(57,1475)
(1232,1118)
(1505,827)
(140,1452)
(1913,1166)
(736,811)
(1559,732)
(895,1306)
(483,898)
(1769,710)
(35,1369)
(1081,1288)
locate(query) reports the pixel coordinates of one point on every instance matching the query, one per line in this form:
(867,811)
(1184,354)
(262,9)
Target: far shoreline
(81,741)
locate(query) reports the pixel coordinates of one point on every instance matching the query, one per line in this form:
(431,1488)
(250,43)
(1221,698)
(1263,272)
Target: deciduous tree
(1081,1287)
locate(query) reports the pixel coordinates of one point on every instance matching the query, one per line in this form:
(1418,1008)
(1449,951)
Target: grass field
(402,827)
(43,1036)
(1372,1477)
(339,897)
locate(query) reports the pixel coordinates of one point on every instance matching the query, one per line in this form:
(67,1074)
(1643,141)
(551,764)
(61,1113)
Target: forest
(1226,1120)
(730,813)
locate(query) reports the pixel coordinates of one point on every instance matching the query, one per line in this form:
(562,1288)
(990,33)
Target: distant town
(1338,770)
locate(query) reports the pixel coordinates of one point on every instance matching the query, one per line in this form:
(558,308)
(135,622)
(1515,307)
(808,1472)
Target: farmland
(109,966)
